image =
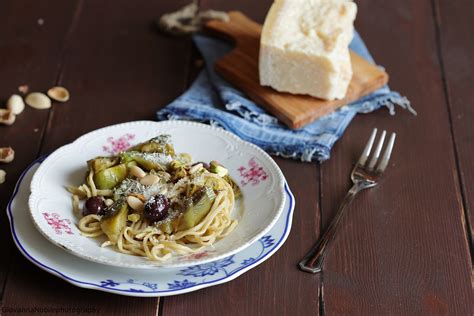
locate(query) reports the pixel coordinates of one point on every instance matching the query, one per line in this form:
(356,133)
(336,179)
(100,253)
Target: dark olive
(156,208)
(94,205)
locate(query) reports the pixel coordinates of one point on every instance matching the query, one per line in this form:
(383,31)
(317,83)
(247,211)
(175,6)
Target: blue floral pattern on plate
(131,284)
(197,273)
(136,282)
(211,268)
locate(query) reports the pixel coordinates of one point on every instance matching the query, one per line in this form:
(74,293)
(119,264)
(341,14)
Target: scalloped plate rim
(98,287)
(34,196)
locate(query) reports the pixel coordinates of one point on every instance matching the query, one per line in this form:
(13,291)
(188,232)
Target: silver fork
(364,175)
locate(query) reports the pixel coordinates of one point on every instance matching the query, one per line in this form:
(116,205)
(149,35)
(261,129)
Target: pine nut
(135,203)
(195,168)
(150,179)
(137,172)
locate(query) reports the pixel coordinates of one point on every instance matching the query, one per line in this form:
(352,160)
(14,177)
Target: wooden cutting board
(240,67)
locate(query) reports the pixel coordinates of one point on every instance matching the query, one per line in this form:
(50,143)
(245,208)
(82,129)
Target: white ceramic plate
(136,282)
(259,177)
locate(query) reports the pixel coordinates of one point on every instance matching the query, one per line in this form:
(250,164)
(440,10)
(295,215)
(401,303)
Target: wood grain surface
(117,69)
(395,253)
(240,68)
(29,54)
(456,49)
(403,249)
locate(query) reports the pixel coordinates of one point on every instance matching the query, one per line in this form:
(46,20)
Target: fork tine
(378,149)
(368,148)
(386,155)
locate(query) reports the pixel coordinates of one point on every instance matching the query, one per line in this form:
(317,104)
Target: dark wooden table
(405,247)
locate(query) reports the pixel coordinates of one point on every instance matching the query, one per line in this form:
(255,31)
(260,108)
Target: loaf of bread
(304,47)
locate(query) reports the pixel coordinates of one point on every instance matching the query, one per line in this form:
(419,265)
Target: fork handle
(313,261)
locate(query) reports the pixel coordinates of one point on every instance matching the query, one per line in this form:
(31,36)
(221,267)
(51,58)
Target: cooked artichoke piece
(167,227)
(218,169)
(192,189)
(115,220)
(160,144)
(153,147)
(219,186)
(164,176)
(201,205)
(131,164)
(176,165)
(215,184)
(109,178)
(148,161)
(127,157)
(178,174)
(177,170)
(184,158)
(234,185)
(101,163)
(133,217)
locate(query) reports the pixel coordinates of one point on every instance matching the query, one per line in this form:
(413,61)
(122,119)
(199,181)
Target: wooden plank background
(28,54)
(456,49)
(405,246)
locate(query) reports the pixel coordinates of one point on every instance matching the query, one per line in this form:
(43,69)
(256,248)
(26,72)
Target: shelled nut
(38,100)
(137,172)
(150,179)
(7,154)
(23,88)
(60,94)
(135,203)
(7,117)
(3,176)
(15,104)
(195,168)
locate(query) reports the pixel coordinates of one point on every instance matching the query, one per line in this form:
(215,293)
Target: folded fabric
(213,100)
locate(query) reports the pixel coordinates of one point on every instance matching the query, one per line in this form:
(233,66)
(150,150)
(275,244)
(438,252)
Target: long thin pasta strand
(145,240)
(90,182)
(90,226)
(75,204)
(87,190)
(77,191)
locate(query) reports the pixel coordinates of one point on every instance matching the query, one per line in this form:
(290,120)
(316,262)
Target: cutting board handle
(242,29)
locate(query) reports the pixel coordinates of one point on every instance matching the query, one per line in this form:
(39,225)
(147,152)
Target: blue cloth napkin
(213,100)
